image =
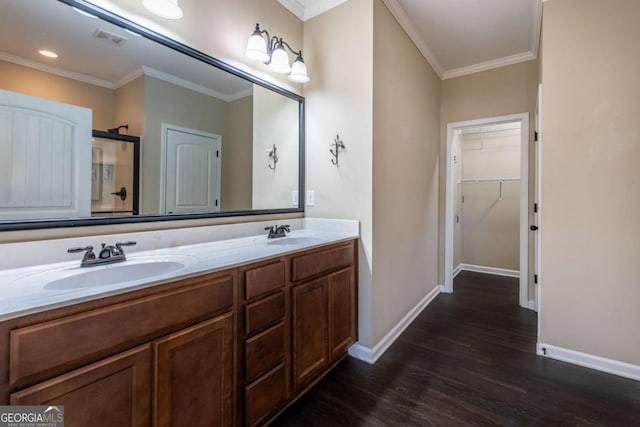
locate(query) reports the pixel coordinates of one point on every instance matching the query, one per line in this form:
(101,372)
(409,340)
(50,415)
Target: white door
(191,170)
(45,166)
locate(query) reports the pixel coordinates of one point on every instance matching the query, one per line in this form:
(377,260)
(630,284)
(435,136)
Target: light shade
(299,71)
(168,9)
(280,61)
(257,48)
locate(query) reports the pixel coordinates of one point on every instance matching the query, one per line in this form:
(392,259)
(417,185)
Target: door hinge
(217,153)
(535,136)
(535,278)
(535,207)
(216,202)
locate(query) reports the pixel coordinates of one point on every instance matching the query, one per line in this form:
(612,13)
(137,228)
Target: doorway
(190,178)
(487,199)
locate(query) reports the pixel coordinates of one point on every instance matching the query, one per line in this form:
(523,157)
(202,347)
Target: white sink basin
(289,240)
(302,240)
(107,275)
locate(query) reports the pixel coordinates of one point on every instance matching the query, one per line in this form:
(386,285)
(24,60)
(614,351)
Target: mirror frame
(189,51)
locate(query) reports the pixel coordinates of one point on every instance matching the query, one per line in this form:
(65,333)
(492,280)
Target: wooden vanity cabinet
(162,356)
(324,313)
(231,348)
(264,344)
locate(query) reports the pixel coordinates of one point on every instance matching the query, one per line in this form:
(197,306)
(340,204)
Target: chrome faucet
(278,231)
(108,254)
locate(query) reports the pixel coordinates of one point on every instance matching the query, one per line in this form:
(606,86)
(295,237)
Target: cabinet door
(310,330)
(193,375)
(342,312)
(112,392)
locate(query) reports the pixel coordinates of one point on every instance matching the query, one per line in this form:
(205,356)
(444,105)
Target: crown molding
(320,7)
(55,70)
(169,78)
(489,65)
(294,7)
(128,78)
(405,22)
(305,13)
(537,27)
(240,94)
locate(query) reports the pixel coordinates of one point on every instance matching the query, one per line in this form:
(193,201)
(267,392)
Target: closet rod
(477,180)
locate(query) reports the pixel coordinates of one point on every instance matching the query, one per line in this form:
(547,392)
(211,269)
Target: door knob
(534,227)
(122,193)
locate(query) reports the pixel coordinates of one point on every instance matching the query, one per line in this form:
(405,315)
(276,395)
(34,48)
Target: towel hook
(273,157)
(337,144)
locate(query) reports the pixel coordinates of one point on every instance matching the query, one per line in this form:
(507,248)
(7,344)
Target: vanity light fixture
(48,53)
(271,50)
(168,9)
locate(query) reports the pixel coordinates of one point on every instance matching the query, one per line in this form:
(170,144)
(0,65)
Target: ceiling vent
(112,39)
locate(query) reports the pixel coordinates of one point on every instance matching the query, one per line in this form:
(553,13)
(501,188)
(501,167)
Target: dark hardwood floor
(468,359)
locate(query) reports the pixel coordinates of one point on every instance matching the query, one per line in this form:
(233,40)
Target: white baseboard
(457,270)
(443,290)
(587,360)
(370,355)
(488,270)
(532,306)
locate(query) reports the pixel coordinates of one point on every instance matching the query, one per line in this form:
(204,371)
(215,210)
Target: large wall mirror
(125,125)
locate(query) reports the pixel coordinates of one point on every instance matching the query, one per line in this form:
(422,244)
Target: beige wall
(406,120)
(237,155)
(338,51)
(274,123)
(129,102)
(501,91)
(590,233)
(175,105)
(29,81)
(490,226)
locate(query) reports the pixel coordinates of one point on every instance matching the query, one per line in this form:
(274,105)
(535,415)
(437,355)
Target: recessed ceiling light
(48,53)
(168,9)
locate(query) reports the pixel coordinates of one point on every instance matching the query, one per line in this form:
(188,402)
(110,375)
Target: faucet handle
(119,246)
(76,250)
(269,228)
(287,228)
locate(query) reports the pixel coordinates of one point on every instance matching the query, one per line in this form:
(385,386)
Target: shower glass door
(114,174)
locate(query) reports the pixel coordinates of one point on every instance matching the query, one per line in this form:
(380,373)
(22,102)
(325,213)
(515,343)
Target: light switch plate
(311,198)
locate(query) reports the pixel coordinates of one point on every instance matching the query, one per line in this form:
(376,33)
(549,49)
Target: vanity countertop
(31,289)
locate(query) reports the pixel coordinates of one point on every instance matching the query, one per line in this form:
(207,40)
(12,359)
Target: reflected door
(192,171)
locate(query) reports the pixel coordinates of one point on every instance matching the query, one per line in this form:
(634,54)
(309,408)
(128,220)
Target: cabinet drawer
(306,266)
(264,351)
(47,349)
(264,313)
(261,280)
(265,396)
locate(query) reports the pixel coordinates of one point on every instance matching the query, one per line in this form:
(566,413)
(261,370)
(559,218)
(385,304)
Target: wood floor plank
(468,360)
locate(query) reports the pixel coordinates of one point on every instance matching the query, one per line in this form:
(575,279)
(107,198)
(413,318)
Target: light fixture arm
(273,42)
(275,52)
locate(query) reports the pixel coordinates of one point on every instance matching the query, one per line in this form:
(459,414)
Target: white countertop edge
(207,264)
